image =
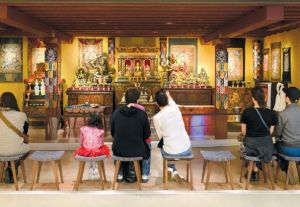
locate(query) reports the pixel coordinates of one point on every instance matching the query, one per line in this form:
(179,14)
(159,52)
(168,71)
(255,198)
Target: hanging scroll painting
(221,78)
(89,49)
(111,51)
(235,64)
(163,51)
(11,65)
(184,52)
(266,64)
(286,73)
(275,61)
(257,60)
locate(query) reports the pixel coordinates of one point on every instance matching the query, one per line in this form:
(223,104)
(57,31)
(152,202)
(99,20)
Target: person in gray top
(288,128)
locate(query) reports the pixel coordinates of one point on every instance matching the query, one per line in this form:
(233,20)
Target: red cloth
(82,151)
(148,140)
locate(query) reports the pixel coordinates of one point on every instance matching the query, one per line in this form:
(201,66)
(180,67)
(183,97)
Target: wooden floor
(70,167)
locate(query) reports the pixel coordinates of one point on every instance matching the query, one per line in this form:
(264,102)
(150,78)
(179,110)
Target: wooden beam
(260,18)
(14,18)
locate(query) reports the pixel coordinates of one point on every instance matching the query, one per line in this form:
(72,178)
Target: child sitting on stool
(92,143)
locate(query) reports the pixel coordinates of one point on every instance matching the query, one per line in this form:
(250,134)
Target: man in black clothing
(129,129)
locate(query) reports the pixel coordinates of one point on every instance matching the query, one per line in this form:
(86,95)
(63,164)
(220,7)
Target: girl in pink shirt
(92,143)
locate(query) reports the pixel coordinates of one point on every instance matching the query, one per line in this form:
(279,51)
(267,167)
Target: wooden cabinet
(103,98)
(189,96)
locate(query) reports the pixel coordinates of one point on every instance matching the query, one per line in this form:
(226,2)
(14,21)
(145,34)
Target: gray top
(46,155)
(288,128)
(217,156)
(90,159)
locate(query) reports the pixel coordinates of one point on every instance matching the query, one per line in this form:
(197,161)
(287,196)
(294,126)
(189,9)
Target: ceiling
(146,19)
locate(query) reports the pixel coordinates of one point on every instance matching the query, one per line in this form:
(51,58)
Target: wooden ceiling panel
(144,19)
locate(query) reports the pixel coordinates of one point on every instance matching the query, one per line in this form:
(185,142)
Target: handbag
(160,143)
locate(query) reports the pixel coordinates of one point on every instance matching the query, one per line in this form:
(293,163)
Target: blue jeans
(289,151)
(144,164)
(184,153)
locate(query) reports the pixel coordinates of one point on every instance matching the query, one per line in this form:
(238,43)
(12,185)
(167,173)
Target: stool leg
(229,174)
(54,169)
(34,173)
(250,169)
(187,172)
(1,170)
(203,171)
(117,168)
(225,171)
(101,175)
(23,170)
(288,175)
(39,171)
(191,176)
(164,171)
(298,169)
(277,172)
(69,124)
(103,170)
(242,170)
(75,121)
(166,174)
(138,173)
(13,168)
(208,173)
(58,162)
(270,175)
(264,171)
(79,175)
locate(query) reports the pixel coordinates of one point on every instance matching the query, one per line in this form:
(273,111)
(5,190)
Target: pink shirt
(91,137)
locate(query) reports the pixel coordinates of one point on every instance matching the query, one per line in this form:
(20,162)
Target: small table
(81,111)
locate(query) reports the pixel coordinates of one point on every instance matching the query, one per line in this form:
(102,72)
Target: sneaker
(178,178)
(91,174)
(170,173)
(145,178)
(254,176)
(96,175)
(120,178)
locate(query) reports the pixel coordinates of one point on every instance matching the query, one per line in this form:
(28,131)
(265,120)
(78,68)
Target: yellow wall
(18,88)
(288,39)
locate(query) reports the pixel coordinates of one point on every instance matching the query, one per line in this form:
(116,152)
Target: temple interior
(65,59)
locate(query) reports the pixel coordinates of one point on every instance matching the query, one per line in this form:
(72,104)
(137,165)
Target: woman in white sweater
(169,125)
(10,142)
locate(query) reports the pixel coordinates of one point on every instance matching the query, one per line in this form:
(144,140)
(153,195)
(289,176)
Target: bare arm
(244,129)
(171,102)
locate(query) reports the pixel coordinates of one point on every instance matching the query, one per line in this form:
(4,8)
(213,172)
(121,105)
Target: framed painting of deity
(11,63)
(235,64)
(266,64)
(286,73)
(89,50)
(184,52)
(275,61)
(257,59)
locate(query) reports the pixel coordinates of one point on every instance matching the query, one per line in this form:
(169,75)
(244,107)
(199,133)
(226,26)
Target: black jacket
(129,129)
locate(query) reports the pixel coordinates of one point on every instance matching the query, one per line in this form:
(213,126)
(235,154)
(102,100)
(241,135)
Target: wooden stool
(171,159)
(137,169)
(4,163)
(46,156)
(292,161)
(100,163)
(250,167)
(222,157)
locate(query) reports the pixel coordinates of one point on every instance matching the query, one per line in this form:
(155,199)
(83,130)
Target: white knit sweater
(10,142)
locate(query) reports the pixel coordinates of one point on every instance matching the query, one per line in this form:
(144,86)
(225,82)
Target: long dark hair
(95,120)
(8,100)
(259,95)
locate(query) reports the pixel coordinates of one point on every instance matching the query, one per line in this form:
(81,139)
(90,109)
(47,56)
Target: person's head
(8,100)
(292,95)
(95,121)
(132,95)
(258,96)
(161,98)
